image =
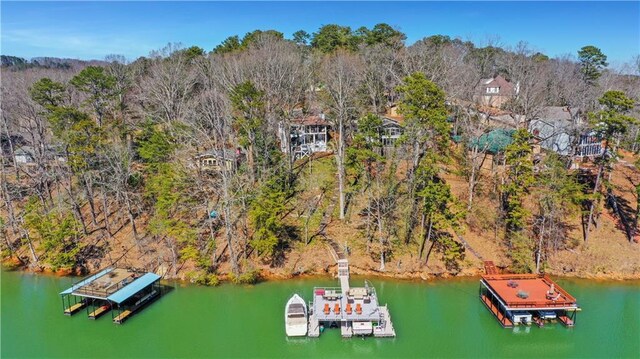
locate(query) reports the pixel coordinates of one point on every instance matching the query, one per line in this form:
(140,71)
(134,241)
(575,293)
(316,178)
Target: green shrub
(249,277)
(201,278)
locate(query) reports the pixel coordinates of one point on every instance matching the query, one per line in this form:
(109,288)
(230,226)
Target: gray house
(561,130)
(391,131)
(307,135)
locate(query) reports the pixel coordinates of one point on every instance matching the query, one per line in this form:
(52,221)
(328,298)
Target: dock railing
(569,301)
(91,291)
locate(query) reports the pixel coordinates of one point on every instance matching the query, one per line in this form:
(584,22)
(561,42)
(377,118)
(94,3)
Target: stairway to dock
(490,268)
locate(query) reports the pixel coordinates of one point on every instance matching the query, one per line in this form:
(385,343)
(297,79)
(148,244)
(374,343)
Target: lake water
(432,319)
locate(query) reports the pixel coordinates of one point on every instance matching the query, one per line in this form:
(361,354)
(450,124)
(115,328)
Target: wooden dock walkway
(313,330)
(122,316)
(385,329)
(74,308)
(566,321)
(504,321)
(99,312)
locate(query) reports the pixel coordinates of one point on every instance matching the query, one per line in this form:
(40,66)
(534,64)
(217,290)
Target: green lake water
(432,319)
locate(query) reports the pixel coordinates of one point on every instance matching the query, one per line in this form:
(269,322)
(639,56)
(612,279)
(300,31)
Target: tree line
(113,149)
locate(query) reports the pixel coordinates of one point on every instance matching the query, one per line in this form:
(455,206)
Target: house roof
(506,87)
(393,114)
(557,113)
(24,150)
(311,120)
(390,121)
(493,142)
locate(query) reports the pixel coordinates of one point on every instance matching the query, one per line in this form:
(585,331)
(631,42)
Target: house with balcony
(305,135)
(563,130)
(390,132)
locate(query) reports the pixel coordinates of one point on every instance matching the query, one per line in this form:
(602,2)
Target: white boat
(295,317)
(521,317)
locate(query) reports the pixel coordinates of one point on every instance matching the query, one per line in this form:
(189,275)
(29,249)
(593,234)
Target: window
(391,132)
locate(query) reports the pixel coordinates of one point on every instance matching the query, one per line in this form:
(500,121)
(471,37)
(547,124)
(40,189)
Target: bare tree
(118,179)
(529,75)
(340,74)
(279,69)
(213,128)
(167,87)
(382,72)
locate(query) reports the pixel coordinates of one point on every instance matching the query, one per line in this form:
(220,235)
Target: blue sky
(91,30)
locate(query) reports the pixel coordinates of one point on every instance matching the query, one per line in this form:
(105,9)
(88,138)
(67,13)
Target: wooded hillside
(103,163)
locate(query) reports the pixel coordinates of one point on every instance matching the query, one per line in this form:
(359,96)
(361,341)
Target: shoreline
(415,277)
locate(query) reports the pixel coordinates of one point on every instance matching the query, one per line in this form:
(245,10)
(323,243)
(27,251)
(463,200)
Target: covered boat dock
(118,290)
(516,299)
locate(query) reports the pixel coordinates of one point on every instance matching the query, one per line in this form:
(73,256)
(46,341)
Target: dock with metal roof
(118,290)
(526,299)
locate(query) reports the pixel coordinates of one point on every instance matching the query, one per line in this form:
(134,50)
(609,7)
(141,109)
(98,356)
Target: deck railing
(89,290)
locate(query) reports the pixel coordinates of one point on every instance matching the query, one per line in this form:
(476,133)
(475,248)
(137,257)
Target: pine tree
(519,178)
(608,123)
(270,234)
(427,131)
(440,211)
(57,233)
(519,161)
(592,61)
(559,196)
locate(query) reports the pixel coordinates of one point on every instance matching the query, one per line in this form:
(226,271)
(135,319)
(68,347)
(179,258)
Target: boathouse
(118,290)
(515,299)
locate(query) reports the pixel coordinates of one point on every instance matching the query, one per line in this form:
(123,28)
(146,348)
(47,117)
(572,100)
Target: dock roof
(113,284)
(133,288)
(507,288)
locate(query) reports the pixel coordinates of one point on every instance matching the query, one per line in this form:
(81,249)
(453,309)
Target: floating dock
(354,310)
(119,291)
(526,299)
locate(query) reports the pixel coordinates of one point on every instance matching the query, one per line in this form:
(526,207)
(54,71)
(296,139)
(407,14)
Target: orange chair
(348,309)
(336,308)
(358,309)
(326,309)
